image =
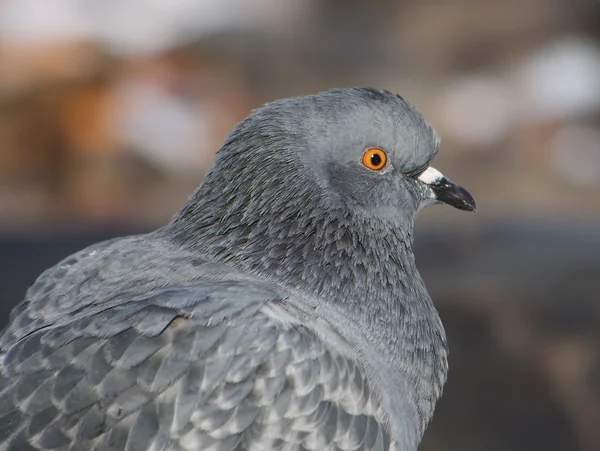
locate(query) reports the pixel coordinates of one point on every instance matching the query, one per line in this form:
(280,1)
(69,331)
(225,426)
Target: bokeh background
(111,111)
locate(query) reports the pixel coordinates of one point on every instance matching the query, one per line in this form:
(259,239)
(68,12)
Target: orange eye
(374,159)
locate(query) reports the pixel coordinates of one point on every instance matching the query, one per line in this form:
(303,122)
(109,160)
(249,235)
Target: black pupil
(375,159)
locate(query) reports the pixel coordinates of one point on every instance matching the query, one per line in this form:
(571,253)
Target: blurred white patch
(477,111)
(576,154)
(561,80)
(161,126)
(167,23)
(136,26)
(33,22)
(430,175)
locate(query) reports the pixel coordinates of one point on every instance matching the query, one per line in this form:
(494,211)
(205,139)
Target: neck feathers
(322,250)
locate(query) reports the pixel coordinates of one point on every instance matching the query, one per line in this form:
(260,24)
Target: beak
(446,192)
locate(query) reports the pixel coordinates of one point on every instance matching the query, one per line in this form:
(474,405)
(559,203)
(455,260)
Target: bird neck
(357,270)
(325,250)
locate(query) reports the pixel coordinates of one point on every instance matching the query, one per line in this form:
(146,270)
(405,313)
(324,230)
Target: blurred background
(111,111)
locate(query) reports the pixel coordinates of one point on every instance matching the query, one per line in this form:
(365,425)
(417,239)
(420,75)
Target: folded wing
(192,367)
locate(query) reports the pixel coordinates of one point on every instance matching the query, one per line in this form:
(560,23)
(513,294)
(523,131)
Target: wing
(198,367)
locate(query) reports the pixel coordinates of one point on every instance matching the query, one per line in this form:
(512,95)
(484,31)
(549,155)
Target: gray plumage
(281,309)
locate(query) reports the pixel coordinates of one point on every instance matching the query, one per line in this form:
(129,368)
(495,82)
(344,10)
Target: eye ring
(374,158)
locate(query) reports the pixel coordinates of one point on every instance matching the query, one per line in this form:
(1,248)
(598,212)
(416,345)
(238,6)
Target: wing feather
(183,367)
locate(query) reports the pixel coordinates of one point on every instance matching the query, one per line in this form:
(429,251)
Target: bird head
(364,151)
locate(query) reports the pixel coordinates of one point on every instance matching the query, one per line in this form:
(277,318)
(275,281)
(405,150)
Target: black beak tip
(456,196)
(468,203)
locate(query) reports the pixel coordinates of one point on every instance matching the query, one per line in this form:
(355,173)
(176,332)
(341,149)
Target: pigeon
(280,308)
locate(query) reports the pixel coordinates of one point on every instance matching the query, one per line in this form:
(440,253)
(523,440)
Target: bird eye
(375,159)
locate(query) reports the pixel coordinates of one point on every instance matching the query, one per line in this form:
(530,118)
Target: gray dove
(280,309)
